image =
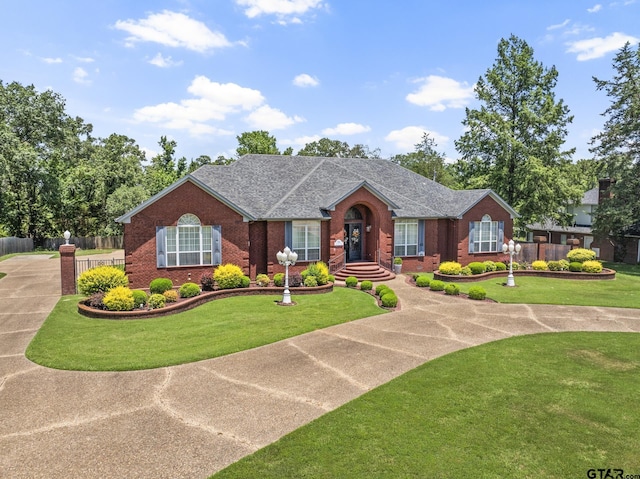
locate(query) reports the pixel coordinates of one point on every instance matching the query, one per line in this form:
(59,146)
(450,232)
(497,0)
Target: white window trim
(303,250)
(493,226)
(188,221)
(408,241)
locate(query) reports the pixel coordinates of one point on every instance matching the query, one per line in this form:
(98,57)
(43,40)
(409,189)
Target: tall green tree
(164,169)
(427,161)
(513,142)
(617,148)
(330,148)
(258,142)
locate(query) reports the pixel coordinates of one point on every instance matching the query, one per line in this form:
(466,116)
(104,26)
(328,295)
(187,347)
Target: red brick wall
(140,235)
(258,252)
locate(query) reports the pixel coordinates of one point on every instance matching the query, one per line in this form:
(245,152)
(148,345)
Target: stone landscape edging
(190,303)
(606,274)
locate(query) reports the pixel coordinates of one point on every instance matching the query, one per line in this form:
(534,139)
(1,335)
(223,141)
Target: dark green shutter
(161,253)
(421,238)
(216,240)
(472,225)
(288,234)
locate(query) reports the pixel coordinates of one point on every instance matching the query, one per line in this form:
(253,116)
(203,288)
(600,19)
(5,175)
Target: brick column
(68,268)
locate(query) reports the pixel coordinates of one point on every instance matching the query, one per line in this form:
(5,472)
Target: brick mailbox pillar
(68,268)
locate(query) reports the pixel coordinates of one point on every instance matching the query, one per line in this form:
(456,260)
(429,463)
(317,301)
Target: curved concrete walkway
(192,420)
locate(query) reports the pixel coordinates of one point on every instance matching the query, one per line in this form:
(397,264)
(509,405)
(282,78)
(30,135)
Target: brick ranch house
(337,210)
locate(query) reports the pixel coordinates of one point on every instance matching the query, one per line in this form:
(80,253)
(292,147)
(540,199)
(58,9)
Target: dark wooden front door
(353,241)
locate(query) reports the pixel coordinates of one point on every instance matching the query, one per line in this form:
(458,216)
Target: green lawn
(68,340)
(550,405)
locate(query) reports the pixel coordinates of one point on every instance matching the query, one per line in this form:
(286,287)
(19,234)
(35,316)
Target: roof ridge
(295,187)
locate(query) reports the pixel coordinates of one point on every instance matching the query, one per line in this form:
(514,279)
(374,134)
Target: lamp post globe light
(67,235)
(511,249)
(286,258)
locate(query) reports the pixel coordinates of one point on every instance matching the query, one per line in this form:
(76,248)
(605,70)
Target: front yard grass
(548,405)
(68,340)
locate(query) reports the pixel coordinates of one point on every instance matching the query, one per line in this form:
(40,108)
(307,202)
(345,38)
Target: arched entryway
(359,241)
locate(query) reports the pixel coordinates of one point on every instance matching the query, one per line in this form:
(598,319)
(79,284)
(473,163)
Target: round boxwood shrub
(381,288)
(156,301)
(489,265)
(477,293)
(575,267)
(592,267)
(554,266)
(278,279)
(539,265)
(389,299)
(310,281)
(450,267)
(160,285)
(436,285)
(189,290)
(245,281)
(477,267)
(101,279)
(171,295)
(262,280)
(331,278)
(139,298)
(580,255)
(500,266)
(516,266)
(423,281)
(366,285)
(228,276)
(466,271)
(564,265)
(351,282)
(452,289)
(119,298)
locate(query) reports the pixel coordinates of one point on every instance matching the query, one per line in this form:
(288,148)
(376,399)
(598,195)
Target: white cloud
(596,8)
(301,141)
(559,25)
(267,118)
(174,30)
(52,61)
(346,129)
(84,59)
(80,75)
(304,80)
(598,47)
(407,138)
(285,10)
(440,93)
(164,62)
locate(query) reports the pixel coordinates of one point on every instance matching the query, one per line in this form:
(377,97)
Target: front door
(353,241)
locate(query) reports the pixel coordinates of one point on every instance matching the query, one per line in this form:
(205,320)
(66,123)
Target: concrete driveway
(192,420)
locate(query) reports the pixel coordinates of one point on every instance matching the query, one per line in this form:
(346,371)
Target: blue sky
(373,72)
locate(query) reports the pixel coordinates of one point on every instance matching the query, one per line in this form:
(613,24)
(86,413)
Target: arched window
(486,235)
(189,243)
(353,213)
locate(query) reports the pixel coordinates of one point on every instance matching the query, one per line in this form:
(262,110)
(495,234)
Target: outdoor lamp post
(66,235)
(286,258)
(511,249)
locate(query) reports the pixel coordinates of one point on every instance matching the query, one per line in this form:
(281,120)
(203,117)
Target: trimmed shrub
(575,267)
(245,281)
(539,265)
(452,289)
(450,267)
(310,281)
(119,298)
(380,288)
(580,255)
(477,267)
(101,279)
(156,301)
(278,280)
(189,290)
(516,266)
(262,280)
(592,267)
(500,266)
(139,298)
(95,301)
(171,295)
(564,265)
(160,285)
(206,281)
(389,299)
(397,260)
(554,266)
(489,265)
(228,276)
(466,271)
(351,282)
(436,285)
(366,285)
(320,270)
(331,278)
(423,281)
(477,293)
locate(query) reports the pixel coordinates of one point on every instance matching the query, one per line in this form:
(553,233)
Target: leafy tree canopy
(428,162)
(329,148)
(258,142)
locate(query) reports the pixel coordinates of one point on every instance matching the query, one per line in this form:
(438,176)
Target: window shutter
(161,254)
(288,234)
(500,235)
(472,225)
(216,243)
(421,238)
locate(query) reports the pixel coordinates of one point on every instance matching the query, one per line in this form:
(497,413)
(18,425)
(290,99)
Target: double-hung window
(405,240)
(189,243)
(306,240)
(486,236)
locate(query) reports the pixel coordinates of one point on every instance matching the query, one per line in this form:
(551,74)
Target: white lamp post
(66,235)
(286,258)
(511,249)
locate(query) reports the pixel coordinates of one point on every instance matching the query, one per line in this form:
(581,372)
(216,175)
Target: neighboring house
(337,210)
(580,228)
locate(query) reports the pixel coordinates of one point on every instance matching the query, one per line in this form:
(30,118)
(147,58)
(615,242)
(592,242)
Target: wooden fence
(15,245)
(89,242)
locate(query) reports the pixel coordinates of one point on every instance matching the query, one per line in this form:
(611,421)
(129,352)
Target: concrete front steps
(365,271)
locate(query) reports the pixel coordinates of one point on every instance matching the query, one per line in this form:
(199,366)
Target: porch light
(368,228)
(66,235)
(511,249)
(286,258)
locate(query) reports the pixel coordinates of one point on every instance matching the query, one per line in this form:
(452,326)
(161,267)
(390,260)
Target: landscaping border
(190,303)
(606,274)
